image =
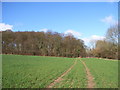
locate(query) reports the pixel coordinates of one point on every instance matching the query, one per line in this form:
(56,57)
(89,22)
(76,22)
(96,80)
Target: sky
(85,20)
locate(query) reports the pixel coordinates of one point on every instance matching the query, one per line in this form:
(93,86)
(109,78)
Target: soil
(90,78)
(60,78)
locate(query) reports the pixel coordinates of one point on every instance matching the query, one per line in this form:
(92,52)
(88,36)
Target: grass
(76,78)
(105,72)
(32,71)
(39,71)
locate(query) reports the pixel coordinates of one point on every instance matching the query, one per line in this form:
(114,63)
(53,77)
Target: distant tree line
(107,48)
(58,44)
(41,43)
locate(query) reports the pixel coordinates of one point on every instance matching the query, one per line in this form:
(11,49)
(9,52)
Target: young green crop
(105,72)
(76,78)
(32,71)
(39,71)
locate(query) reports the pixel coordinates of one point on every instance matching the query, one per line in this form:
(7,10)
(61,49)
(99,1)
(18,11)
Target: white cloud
(4,26)
(44,30)
(92,38)
(96,37)
(109,20)
(76,34)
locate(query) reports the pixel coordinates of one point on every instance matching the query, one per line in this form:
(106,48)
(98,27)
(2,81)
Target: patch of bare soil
(60,78)
(90,78)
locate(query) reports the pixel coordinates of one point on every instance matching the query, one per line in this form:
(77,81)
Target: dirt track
(60,78)
(90,78)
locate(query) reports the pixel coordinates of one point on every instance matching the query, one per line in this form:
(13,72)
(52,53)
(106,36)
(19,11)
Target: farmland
(76,78)
(105,72)
(40,71)
(32,71)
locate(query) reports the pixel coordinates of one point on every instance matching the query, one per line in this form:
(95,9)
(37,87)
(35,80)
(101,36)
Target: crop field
(76,78)
(32,71)
(105,72)
(58,72)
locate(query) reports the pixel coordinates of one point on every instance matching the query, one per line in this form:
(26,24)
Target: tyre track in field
(60,78)
(90,78)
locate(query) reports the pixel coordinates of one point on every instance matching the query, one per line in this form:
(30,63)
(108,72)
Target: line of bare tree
(58,44)
(40,43)
(107,48)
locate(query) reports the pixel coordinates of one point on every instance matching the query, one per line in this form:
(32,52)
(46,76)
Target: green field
(40,71)
(76,78)
(105,72)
